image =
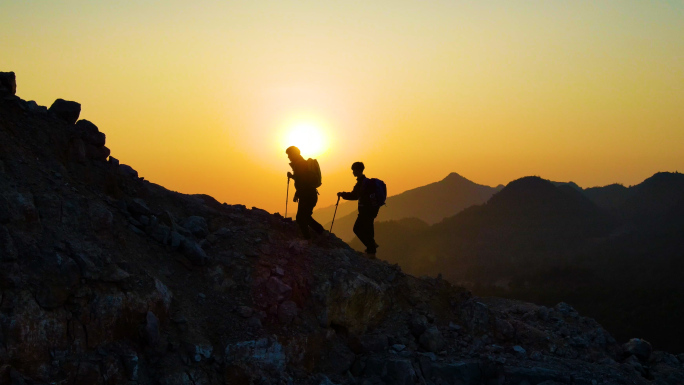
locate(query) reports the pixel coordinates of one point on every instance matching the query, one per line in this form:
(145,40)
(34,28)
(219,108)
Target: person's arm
(353,195)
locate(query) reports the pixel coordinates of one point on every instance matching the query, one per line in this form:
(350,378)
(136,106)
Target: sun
(308,137)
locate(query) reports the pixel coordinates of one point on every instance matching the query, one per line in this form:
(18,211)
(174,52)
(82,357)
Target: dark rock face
(65,110)
(640,348)
(8,83)
(99,284)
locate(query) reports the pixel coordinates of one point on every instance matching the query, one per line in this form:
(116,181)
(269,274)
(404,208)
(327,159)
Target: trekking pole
(333,221)
(287,195)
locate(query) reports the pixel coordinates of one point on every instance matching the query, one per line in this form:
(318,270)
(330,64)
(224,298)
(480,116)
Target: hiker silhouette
(306,175)
(371,194)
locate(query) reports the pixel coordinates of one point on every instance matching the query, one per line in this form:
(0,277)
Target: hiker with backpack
(371,194)
(307,178)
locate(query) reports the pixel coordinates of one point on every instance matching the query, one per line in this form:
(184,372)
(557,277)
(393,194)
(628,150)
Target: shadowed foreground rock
(106,278)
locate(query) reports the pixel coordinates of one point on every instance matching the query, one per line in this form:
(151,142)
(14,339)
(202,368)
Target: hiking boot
(370,255)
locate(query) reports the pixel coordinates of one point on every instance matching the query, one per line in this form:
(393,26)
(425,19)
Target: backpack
(377,191)
(314,173)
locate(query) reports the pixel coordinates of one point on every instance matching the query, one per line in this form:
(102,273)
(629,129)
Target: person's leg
(363,228)
(304,211)
(318,228)
(371,230)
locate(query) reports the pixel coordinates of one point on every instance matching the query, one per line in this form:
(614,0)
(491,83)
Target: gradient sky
(198,96)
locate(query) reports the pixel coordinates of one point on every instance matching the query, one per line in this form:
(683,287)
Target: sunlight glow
(308,137)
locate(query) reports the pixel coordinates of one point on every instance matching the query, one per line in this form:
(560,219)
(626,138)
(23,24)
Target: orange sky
(199,97)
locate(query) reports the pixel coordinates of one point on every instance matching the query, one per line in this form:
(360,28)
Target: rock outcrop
(106,278)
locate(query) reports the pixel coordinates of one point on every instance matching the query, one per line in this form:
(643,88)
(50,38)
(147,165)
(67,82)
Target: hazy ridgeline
(615,253)
(430,204)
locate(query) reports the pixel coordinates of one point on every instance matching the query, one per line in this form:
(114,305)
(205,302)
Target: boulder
(65,110)
(8,83)
(97,153)
(432,340)
(278,288)
(418,324)
(640,348)
(504,330)
(33,107)
(152,329)
(100,217)
(476,316)
(197,226)
(127,171)
(137,206)
(354,301)
(194,253)
(90,133)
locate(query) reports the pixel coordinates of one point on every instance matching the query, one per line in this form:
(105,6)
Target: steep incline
(106,278)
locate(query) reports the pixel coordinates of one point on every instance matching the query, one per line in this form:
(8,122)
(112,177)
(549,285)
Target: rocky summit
(106,278)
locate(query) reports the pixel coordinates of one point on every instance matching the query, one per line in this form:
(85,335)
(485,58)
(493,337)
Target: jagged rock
(90,133)
(476,316)
(160,233)
(152,333)
(8,83)
(34,108)
(175,240)
(398,347)
(664,358)
(100,217)
(354,301)
(199,350)
(432,339)
(634,362)
(65,110)
(287,311)
(197,226)
(138,206)
(566,309)
(418,324)
(520,351)
(127,171)
(97,153)
(503,329)
(113,273)
(640,348)
(278,288)
(194,253)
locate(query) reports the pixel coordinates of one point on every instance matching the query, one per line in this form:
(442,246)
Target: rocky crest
(106,278)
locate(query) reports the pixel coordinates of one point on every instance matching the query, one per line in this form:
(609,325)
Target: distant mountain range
(609,249)
(430,204)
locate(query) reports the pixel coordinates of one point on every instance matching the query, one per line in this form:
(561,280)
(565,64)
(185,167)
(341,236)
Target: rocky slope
(106,278)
